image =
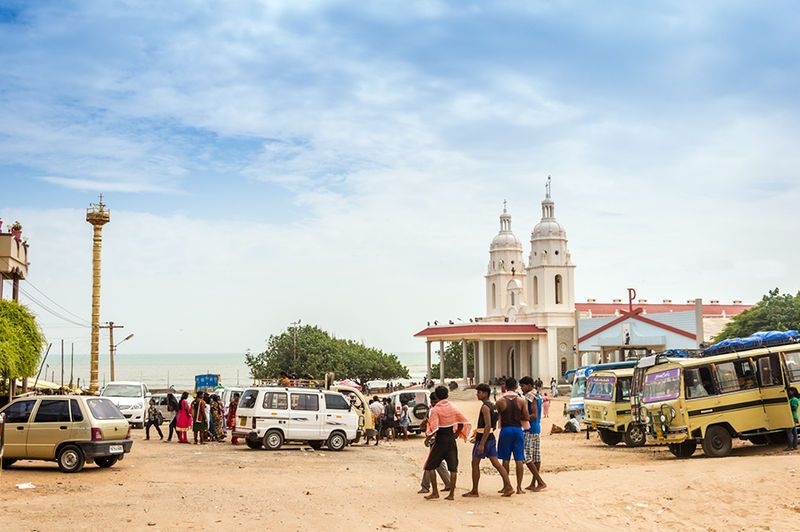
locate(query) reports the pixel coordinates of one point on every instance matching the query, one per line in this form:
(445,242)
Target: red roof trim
(637,315)
(511,328)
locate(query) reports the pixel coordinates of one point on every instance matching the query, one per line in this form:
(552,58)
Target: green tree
(453,358)
(21,341)
(775,312)
(308,350)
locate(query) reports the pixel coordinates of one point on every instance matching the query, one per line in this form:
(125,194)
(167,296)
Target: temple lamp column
(441,361)
(464,361)
(428,366)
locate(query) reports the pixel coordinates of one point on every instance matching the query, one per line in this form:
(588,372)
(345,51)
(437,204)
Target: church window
(512,299)
(559,293)
(535,290)
(563,365)
(556,252)
(494,296)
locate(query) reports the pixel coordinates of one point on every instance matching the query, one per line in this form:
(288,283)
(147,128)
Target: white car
(131,398)
(270,416)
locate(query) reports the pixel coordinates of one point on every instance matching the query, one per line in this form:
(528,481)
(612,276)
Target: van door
(274,412)
(336,414)
(773,392)
(304,417)
(16,428)
(50,427)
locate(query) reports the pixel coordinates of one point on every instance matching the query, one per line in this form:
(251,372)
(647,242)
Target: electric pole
(110,326)
(71,364)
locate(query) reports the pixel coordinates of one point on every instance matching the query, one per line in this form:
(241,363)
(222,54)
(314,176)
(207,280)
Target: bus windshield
(578,386)
(601,388)
(661,386)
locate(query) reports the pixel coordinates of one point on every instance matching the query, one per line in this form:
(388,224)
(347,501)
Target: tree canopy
(775,312)
(308,350)
(453,356)
(21,341)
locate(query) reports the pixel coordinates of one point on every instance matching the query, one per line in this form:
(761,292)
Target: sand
(162,486)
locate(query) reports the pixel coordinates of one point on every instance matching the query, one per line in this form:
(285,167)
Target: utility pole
(112,347)
(62,363)
(98,216)
(71,364)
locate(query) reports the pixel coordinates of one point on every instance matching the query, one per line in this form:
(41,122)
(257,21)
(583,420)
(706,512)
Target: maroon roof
(472,328)
(609,309)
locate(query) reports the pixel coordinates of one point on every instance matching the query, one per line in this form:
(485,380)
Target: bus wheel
(634,435)
(684,449)
(717,442)
(609,438)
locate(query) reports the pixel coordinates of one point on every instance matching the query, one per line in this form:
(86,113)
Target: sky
(345,163)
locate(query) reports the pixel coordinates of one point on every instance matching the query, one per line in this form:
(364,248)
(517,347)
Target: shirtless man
(485,443)
(513,415)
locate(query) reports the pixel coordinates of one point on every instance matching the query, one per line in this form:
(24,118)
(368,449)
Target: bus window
(661,386)
(698,382)
(769,370)
(793,365)
(601,388)
(623,390)
(726,376)
(745,374)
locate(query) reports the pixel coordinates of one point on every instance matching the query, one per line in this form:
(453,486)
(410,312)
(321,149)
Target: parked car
(71,430)
(161,404)
(130,397)
(269,416)
(419,402)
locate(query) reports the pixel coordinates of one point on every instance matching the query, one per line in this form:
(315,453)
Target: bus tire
(684,449)
(717,442)
(610,438)
(634,435)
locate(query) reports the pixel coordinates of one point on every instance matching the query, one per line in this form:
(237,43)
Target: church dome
(505,239)
(548,227)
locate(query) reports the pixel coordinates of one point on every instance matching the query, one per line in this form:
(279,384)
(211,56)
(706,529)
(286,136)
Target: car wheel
(316,445)
(717,442)
(273,440)
(8,462)
(337,441)
(684,449)
(634,435)
(70,459)
(106,461)
(609,438)
(254,444)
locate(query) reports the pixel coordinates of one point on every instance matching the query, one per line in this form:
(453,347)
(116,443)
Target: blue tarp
(755,340)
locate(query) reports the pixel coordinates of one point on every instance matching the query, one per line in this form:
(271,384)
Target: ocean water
(164,370)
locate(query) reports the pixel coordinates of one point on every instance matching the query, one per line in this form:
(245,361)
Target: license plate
(116,449)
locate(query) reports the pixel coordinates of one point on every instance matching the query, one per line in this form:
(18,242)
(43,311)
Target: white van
(131,398)
(270,416)
(418,402)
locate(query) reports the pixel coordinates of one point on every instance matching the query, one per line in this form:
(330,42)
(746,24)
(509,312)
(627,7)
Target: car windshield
(661,386)
(601,388)
(104,409)
(122,390)
(578,387)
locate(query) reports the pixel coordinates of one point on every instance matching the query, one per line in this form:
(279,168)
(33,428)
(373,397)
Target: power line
(51,311)
(29,283)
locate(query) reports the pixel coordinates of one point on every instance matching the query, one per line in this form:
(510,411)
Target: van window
(122,390)
(624,389)
(698,382)
(275,401)
(52,411)
(793,365)
(102,409)
(769,370)
(19,412)
(248,399)
(336,402)
(736,375)
(77,415)
(305,401)
(407,398)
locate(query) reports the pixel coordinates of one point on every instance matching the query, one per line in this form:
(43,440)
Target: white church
(529,325)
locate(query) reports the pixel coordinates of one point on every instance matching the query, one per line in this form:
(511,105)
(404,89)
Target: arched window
(559,296)
(512,298)
(535,290)
(494,296)
(563,366)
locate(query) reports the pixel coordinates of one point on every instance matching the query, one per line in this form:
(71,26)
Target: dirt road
(166,486)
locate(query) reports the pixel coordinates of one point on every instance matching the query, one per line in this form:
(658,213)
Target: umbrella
(348,382)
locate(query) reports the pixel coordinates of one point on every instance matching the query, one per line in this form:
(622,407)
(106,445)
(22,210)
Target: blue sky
(349,157)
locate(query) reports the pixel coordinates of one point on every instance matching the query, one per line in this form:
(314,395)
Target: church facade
(529,327)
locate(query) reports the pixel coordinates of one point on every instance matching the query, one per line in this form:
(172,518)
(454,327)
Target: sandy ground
(162,486)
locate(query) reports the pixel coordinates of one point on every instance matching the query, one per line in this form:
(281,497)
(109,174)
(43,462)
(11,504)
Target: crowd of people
(205,416)
(390,422)
(507,428)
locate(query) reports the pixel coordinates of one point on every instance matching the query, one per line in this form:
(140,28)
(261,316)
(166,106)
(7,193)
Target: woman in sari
(184,419)
(232,417)
(217,419)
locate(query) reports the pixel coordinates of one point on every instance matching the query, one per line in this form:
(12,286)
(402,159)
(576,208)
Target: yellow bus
(607,404)
(713,399)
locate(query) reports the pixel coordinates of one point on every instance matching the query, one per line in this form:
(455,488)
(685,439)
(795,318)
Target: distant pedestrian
(791,433)
(404,421)
(231,420)
(572,424)
(485,445)
(217,418)
(546,405)
(172,406)
(199,419)
(447,423)
(513,416)
(553,387)
(376,407)
(388,420)
(153,418)
(183,419)
(441,469)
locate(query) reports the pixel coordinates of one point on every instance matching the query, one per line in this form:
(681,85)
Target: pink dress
(546,406)
(184,420)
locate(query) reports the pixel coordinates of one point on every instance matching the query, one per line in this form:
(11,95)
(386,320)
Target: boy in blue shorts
(513,415)
(485,444)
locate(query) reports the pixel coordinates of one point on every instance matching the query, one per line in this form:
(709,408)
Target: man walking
(533,452)
(376,407)
(485,444)
(513,414)
(441,469)
(447,423)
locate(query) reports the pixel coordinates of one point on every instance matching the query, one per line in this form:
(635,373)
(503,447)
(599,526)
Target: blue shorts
(489,450)
(512,441)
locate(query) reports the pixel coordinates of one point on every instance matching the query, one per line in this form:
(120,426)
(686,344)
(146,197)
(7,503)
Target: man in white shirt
(376,407)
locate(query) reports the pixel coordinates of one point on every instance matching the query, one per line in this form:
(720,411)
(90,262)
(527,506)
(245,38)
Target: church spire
(548,205)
